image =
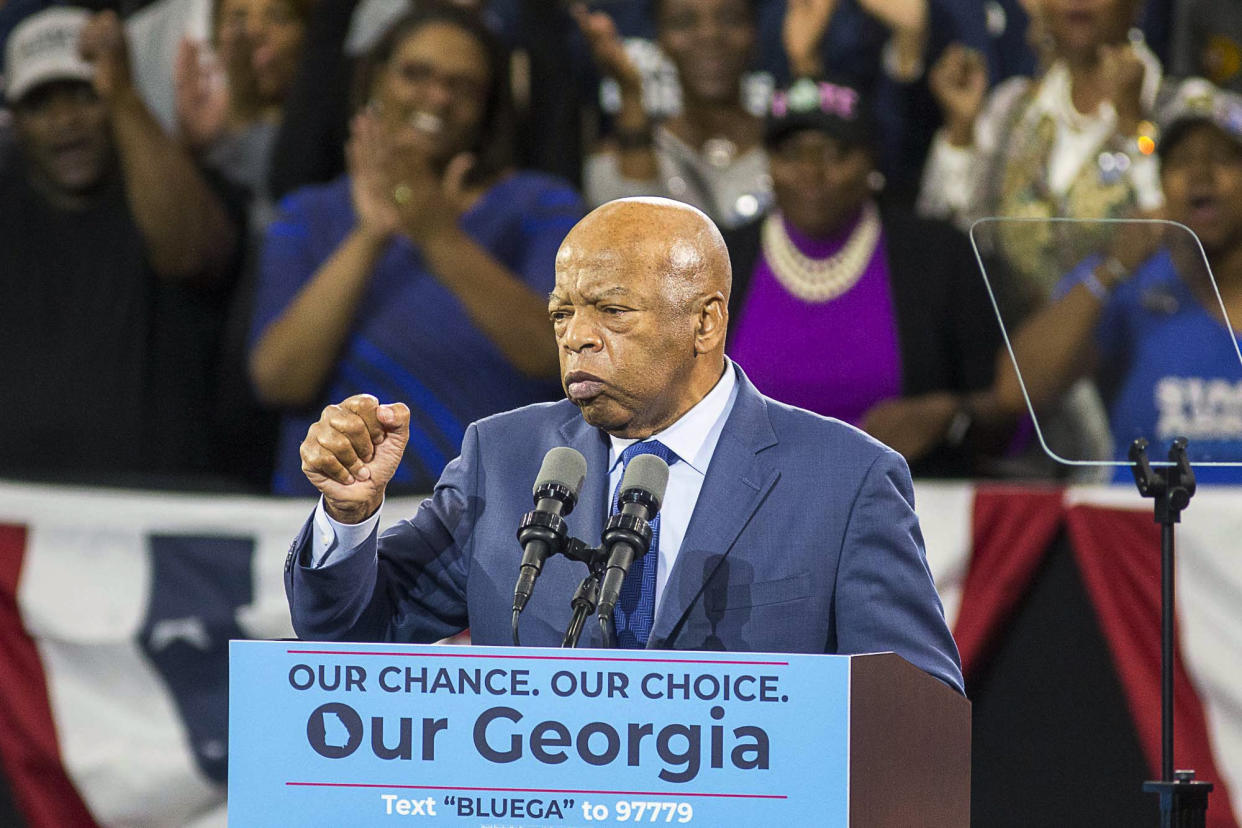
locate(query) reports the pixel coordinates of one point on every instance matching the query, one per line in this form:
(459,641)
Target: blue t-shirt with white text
(1171,369)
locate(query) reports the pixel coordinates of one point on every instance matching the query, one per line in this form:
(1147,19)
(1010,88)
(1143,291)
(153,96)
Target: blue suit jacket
(804,539)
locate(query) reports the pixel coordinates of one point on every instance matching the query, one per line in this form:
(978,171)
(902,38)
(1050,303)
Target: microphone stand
(583,603)
(587,595)
(1183,799)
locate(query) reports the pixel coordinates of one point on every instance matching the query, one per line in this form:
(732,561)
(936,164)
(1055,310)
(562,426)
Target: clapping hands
(396,187)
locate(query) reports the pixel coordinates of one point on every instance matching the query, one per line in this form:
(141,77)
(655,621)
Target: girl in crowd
(697,90)
(710,154)
(1075,142)
(1070,142)
(422,274)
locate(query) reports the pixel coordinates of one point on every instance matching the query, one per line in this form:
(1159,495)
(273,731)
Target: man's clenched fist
(352,452)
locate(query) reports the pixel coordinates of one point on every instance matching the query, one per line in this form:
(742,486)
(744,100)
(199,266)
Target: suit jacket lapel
(737,481)
(587,520)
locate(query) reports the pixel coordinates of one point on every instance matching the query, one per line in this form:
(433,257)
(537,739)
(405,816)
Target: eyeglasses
(424,74)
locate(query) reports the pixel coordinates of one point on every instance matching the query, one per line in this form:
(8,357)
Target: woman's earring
(876,181)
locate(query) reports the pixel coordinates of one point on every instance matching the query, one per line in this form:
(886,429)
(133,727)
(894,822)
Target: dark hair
(301,12)
(493,141)
(656,8)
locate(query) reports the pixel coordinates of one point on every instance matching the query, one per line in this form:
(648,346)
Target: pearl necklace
(820,280)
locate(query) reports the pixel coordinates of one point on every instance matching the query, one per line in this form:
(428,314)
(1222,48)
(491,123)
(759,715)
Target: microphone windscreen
(646,472)
(565,466)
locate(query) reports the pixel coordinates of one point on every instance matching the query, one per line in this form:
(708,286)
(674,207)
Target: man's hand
(102,44)
(959,80)
(352,452)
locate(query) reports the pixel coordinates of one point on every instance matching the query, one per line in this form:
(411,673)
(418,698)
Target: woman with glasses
(422,274)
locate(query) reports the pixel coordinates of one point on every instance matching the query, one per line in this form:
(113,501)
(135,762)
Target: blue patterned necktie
(635,610)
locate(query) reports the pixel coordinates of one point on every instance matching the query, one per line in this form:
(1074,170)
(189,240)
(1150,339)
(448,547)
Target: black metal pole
(1183,799)
(583,604)
(1166,647)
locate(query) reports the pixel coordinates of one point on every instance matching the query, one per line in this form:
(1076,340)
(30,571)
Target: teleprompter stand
(1183,799)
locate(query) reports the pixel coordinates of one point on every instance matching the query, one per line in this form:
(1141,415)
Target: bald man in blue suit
(782,531)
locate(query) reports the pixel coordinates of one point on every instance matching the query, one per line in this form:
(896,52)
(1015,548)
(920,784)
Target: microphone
(542,531)
(627,535)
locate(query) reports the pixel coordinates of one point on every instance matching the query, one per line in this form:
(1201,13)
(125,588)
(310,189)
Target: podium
(365,734)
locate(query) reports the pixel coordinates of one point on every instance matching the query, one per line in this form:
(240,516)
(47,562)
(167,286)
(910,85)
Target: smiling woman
(444,89)
(710,154)
(425,265)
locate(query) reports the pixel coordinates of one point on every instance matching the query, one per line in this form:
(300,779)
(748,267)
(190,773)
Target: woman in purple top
(857,311)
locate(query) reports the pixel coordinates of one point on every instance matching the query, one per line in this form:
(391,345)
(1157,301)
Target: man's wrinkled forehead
(589,291)
(623,262)
(642,250)
(598,275)
(577,253)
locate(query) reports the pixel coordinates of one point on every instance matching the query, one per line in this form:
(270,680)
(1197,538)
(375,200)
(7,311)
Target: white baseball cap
(1198,101)
(43,48)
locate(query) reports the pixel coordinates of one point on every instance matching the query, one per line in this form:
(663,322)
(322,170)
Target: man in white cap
(109,238)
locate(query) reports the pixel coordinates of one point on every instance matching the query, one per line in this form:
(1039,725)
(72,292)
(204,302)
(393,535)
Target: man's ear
(713,321)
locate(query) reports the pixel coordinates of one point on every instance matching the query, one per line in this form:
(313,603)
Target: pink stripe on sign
(540,658)
(677,794)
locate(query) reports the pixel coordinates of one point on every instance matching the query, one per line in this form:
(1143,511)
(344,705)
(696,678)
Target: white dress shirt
(692,438)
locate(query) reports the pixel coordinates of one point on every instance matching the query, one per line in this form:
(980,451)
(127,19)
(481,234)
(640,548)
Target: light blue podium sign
(360,735)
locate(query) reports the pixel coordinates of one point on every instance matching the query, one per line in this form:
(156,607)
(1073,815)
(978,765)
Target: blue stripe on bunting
(198,583)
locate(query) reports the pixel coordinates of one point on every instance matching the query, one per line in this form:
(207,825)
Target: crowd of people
(218,217)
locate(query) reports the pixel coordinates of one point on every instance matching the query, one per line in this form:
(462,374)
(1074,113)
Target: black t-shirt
(105,372)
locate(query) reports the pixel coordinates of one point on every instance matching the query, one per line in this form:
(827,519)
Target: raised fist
(352,452)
